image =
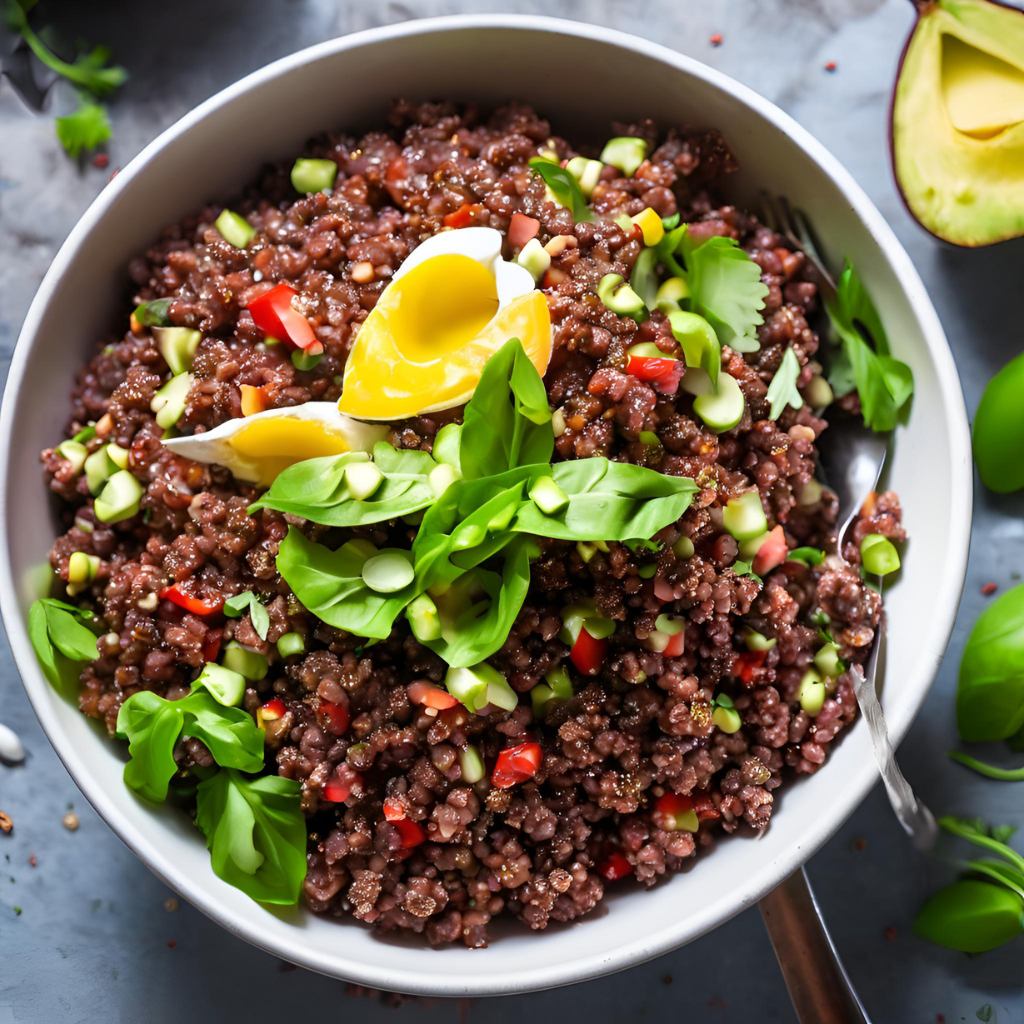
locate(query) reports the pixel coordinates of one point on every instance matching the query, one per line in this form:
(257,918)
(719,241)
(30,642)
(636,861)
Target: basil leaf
(808,556)
(235,607)
(153,726)
(315,489)
(231,735)
(726,289)
(507,422)
(255,832)
(564,187)
(782,391)
(609,501)
(60,640)
(329,584)
(970,916)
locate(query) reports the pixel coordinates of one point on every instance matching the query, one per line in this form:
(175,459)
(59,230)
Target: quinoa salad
(442,529)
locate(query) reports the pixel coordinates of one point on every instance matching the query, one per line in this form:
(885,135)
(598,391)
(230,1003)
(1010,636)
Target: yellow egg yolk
(275,444)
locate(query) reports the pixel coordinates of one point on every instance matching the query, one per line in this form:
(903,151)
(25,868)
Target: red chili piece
(333,717)
(463,216)
(772,553)
(614,867)
(521,229)
(430,696)
(335,791)
(101,160)
(831,66)
(989,588)
(746,665)
(411,832)
(273,709)
(191,604)
(517,764)
(393,810)
(664,374)
(670,810)
(211,644)
(716,39)
(273,314)
(588,654)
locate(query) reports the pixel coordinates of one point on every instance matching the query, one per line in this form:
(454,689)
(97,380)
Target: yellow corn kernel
(650,224)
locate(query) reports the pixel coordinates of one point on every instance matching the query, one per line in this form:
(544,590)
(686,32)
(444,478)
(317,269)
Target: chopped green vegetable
(119,498)
(564,188)
(479,685)
(626,153)
(82,567)
(670,294)
(178,346)
(644,278)
(586,172)
(313,175)
(808,556)
(727,719)
(291,643)
(248,601)
(720,408)
(534,258)
(362,479)
(424,619)
(389,571)
(99,468)
(699,342)
(304,361)
(744,516)
(73,452)
(828,662)
(234,229)
(155,313)
(812,693)
(548,496)
(245,663)
(783,391)
(169,401)
(878,555)
(757,641)
(620,298)
(471,764)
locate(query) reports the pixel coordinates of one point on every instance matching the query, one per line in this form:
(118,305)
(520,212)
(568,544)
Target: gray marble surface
(94,940)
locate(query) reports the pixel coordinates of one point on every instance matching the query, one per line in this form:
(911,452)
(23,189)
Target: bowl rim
(486,981)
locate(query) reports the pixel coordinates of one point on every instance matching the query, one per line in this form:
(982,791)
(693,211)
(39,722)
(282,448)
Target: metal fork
(851,462)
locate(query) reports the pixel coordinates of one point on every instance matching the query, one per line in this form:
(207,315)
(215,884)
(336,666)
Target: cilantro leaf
(61,640)
(883,383)
(235,607)
(87,128)
(782,391)
(745,569)
(564,187)
(255,832)
(726,289)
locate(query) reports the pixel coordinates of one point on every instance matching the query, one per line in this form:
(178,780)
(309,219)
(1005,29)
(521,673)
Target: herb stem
(1003,774)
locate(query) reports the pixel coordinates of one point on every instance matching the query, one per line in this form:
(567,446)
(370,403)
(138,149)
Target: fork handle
(818,984)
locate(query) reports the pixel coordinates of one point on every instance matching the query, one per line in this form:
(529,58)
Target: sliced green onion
(225,685)
(540,696)
(424,619)
(86,433)
(388,572)
(878,555)
(480,685)
(722,409)
(812,693)
(671,294)
(291,643)
(669,625)
(304,361)
(362,479)
(84,525)
(534,258)
(244,661)
(548,496)
(808,556)
(99,468)
(119,498)
(118,455)
(619,297)
(744,516)
(626,153)
(558,679)
(749,548)
(235,230)
(82,568)
(757,641)
(727,719)
(647,350)
(828,662)
(73,452)
(154,313)
(178,346)
(313,175)
(169,401)
(471,764)
(668,223)
(699,342)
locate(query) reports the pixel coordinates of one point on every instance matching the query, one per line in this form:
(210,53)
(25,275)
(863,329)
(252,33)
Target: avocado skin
(983,204)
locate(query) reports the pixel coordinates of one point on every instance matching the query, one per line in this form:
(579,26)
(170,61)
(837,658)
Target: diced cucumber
(424,619)
(727,719)
(558,679)
(248,663)
(472,765)
(234,229)
(75,453)
(671,294)
(722,409)
(119,498)
(178,346)
(879,555)
(828,662)
(586,172)
(744,516)
(169,402)
(470,685)
(389,571)
(291,643)
(548,496)
(99,468)
(584,613)
(540,696)
(749,548)
(613,291)
(362,479)
(225,685)
(118,455)
(626,153)
(812,693)
(757,641)
(313,175)
(82,567)
(534,258)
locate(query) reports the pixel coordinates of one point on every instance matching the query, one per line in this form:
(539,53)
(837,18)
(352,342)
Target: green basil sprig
(255,832)
(61,640)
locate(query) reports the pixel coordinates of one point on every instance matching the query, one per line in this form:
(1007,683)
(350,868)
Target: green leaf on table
(609,501)
(863,362)
(507,422)
(61,640)
(248,601)
(970,916)
(329,584)
(255,832)
(87,128)
(783,391)
(726,289)
(316,489)
(564,187)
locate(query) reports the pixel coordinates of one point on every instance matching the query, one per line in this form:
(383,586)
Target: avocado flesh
(958,122)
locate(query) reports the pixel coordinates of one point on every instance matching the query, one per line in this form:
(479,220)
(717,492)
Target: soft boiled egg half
(256,448)
(452,304)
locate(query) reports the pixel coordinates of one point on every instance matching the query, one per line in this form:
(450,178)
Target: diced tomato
(674,812)
(335,791)
(463,216)
(274,314)
(430,696)
(663,374)
(333,717)
(394,811)
(676,645)
(191,604)
(552,278)
(772,553)
(705,807)
(614,867)
(411,832)
(588,654)
(271,711)
(746,664)
(211,644)
(517,764)
(521,229)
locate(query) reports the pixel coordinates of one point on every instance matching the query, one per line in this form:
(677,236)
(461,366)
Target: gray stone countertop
(94,941)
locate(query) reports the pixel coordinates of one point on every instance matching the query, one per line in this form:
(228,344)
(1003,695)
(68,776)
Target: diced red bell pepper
(674,812)
(663,374)
(552,278)
(335,791)
(273,314)
(676,645)
(746,664)
(705,807)
(521,229)
(191,604)
(614,867)
(430,696)
(211,644)
(411,832)
(463,216)
(772,552)
(333,717)
(394,811)
(271,711)
(588,654)
(517,764)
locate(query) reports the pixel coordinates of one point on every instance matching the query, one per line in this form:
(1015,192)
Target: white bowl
(582,78)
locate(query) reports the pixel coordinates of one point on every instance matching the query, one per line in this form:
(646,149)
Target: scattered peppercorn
(891,933)
(70,821)
(666,979)
(989,588)
(716,39)
(831,66)
(101,160)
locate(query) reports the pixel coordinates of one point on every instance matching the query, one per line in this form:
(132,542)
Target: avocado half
(957,127)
